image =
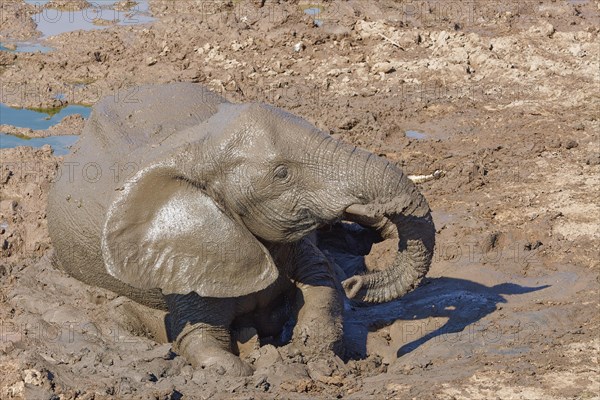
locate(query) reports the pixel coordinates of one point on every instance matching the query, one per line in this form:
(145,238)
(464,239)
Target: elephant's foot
(210,351)
(200,326)
(319,328)
(317,341)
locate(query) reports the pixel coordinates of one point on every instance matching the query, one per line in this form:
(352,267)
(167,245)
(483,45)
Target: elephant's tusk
(437,174)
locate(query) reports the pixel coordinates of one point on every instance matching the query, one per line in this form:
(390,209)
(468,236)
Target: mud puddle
(314,11)
(450,316)
(411,134)
(53,22)
(60,144)
(39,3)
(428,133)
(26,47)
(33,119)
(471,302)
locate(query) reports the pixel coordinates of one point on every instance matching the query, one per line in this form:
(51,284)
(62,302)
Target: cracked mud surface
(504,98)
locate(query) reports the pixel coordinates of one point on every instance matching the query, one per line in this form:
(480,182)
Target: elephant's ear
(164,232)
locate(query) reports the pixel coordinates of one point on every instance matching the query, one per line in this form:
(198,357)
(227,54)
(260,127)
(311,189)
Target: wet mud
(500,96)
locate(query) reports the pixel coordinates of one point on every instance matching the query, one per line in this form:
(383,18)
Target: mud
(505,96)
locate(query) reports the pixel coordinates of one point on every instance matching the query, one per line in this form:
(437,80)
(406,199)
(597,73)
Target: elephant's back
(122,136)
(148,117)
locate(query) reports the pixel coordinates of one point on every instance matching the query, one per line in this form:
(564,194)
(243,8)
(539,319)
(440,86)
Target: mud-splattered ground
(501,96)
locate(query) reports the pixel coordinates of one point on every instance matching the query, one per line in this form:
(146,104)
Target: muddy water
(60,144)
(51,22)
(415,135)
(466,305)
(440,310)
(37,120)
(315,12)
(39,3)
(54,22)
(25,118)
(27,47)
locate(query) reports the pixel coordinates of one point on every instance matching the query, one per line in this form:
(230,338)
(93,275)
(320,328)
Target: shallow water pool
(37,2)
(54,22)
(25,118)
(415,135)
(60,144)
(315,11)
(28,47)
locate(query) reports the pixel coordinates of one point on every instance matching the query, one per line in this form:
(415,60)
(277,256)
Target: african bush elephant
(183,201)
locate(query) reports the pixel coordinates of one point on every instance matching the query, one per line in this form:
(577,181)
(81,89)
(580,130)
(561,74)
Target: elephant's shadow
(460,301)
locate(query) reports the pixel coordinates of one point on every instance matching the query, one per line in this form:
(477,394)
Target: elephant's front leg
(200,330)
(319,324)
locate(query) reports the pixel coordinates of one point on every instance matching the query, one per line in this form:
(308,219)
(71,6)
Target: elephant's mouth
(304,228)
(308,220)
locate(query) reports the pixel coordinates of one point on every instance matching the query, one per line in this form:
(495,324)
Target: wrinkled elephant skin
(185,202)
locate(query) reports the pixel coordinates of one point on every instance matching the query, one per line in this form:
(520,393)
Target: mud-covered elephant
(182,201)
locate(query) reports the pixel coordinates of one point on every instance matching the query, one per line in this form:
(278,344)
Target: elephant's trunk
(391,203)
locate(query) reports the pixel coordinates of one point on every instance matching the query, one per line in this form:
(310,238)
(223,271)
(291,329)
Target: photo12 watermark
(64,333)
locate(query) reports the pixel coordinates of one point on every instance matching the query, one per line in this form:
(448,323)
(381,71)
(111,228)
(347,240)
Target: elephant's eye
(281,172)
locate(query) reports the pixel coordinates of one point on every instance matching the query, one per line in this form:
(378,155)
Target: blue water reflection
(25,118)
(60,144)
(54,22)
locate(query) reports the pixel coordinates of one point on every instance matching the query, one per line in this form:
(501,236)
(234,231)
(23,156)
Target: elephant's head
(198,217)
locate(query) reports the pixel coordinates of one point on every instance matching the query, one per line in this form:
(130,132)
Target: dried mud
(505,97)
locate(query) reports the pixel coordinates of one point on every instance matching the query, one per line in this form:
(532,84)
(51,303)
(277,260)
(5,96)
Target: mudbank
(498,96)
